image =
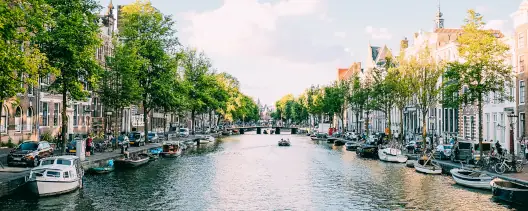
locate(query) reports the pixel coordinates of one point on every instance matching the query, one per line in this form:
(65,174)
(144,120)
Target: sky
(278,47)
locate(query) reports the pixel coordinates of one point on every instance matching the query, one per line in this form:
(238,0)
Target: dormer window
(521,40)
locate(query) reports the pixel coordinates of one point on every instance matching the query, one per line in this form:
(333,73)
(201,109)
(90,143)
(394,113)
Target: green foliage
(482,69)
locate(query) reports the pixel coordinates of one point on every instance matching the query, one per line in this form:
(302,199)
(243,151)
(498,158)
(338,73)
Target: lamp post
(512,145)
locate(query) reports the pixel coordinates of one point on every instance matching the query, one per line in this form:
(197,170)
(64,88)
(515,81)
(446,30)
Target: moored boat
(509,191)
(427,167)
(392,155)
(367,150)
(339,142)
(471,179)
(284,142)
(104,169)
(132,162)
(56,175)
(171,149)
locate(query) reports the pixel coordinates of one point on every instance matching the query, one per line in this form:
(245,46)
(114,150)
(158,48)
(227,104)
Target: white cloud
(500,25)
(340,34)
(378,33)
(249,40)
(482,9)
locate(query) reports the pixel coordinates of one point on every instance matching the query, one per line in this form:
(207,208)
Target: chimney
(404,44)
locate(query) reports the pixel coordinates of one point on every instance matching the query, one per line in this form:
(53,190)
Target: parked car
(123,140)
(153,137)
(476,150)
(72,146)
(184,132)
(29,153)
(444,151)
(137,138)
(462,151)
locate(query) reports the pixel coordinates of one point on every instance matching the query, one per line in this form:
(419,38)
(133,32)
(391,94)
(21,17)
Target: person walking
(89,145)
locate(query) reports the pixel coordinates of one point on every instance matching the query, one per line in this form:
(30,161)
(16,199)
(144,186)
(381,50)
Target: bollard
(259,130)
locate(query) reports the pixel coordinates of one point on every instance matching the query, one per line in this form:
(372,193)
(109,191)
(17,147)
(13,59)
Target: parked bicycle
(504,165)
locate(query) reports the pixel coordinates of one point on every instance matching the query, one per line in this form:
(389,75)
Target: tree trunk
(389,124)
(367,123)
(192,121)
(145,119)
(164,122)
(1,108)
(424,128)
(480,124)
(64,127)
(357,122)
(210,118)
(401,126)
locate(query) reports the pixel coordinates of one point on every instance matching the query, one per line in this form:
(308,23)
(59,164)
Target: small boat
(330,140)
(284,142)
(471,179)
(367,150)
(339,142)
(153,157)
(427,167)
(392,155)
(56,175)
(171,149)
(132,162)
(351,145)
(104,169)
(509,191)
(206,139)
(410,163)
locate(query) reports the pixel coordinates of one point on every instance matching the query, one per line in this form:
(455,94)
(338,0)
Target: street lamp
(512,146)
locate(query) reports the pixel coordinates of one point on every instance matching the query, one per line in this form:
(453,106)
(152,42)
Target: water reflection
(250,172)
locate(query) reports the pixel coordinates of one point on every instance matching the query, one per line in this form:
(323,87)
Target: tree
(402,79)
(199,80)
(383,91)
(22,61)
(119,87)
(70,46)
(152,35)
(230,85)
(360,99)
(427,73)
(482,69)
(334,99)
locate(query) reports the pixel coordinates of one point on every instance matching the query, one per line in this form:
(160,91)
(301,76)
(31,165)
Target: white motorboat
(392,155)
(427,167)
(471,179)
(56,175)
(206,139)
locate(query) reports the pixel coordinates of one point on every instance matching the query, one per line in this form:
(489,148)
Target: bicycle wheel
(500,168)
(519,166)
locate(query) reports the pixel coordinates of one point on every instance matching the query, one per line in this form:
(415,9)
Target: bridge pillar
(241,131)
(294,131)
(259,130)
(277,130)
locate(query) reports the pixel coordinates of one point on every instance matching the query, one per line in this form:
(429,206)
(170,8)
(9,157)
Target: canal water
(250,172)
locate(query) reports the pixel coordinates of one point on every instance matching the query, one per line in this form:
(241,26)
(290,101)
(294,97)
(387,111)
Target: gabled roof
(497,33)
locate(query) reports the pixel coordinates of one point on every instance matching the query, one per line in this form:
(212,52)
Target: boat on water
(318,137)
(410,163)
(171,149)
(392,155)
(352,145)
(284,142)
(206,139)
(330,140)
(56,175)
(132,162)
(109,167)
(427,166)
(471,179)
(367,150)
(509,191)
(339,142)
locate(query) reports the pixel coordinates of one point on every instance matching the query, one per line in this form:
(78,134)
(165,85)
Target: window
(521,124)
(521,40)
(466,127)
(487,126)
(521,91)
(30,89)
(521,63)
(45,114)
(18,119)
(75,114)
(29,119)
(502,128)
(66,174)
(56,114)
(494,126)
(52,174)
(472,122)
(45,80)
(3,119)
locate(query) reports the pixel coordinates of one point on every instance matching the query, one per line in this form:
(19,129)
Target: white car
(184,132)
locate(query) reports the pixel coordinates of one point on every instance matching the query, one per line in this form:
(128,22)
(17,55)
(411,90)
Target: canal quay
(250,172)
